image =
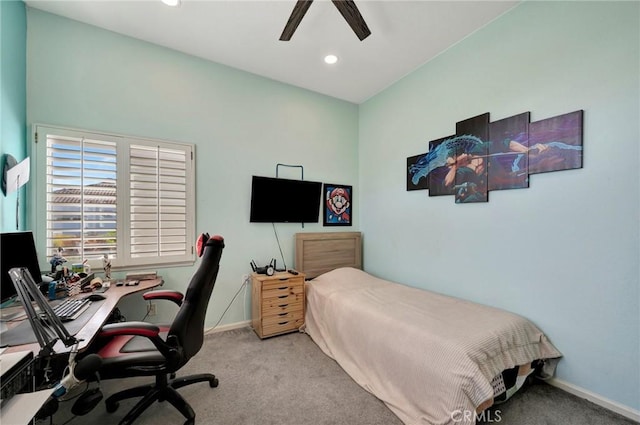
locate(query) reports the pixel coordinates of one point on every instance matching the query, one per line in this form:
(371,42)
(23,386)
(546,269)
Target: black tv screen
(276,200)
(17,249)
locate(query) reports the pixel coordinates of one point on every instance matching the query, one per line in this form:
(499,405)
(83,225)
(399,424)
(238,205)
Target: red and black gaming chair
(144,349)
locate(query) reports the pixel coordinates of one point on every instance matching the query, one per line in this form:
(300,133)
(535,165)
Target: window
(127,198)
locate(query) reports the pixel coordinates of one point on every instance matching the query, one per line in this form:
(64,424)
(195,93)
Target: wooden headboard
(317,253)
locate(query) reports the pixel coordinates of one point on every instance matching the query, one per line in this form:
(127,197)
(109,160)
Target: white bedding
(430,358)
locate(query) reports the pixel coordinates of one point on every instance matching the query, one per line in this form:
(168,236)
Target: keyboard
(71,309)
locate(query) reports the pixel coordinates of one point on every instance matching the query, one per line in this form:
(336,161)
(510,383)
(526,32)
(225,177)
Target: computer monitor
(17,249)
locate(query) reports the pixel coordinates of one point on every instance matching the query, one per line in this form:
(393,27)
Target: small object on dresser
(293,272)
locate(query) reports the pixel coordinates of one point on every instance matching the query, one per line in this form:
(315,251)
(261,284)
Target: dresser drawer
(285,316)
(282,299)
(274,308)
(282,292)
(281,282)
(282,326)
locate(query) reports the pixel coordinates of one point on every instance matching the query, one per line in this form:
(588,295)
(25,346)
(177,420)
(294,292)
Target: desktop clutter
(67,280)
(45,318)
(84,370)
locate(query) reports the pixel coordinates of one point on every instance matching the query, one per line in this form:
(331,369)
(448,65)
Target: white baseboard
(231,326)
(621,409)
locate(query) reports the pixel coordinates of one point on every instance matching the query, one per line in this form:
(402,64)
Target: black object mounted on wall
(14,176)
(275,200)
(8,162)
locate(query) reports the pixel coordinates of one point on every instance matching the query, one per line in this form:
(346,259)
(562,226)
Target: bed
(432,359)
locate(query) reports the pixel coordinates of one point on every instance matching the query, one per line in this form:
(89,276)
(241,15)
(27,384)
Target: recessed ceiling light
(171,2)
(331,59)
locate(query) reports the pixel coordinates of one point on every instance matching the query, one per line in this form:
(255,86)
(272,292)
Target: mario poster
(337,205)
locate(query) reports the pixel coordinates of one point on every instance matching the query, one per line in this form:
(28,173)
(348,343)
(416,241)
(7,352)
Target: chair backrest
(188,325)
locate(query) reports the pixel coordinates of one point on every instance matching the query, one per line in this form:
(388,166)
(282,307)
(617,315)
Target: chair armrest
(144,329)
(130,328)
(164,294)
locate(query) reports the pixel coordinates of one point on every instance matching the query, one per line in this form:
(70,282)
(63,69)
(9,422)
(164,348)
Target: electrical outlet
(245,278)
(151,309)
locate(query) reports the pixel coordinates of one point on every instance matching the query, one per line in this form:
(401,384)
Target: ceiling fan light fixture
(172,3)
(330,59)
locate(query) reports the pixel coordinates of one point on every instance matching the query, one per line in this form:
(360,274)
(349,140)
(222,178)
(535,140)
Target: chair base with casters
(164,389)
(131,349)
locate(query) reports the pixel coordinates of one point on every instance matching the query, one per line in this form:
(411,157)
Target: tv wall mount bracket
(292,166)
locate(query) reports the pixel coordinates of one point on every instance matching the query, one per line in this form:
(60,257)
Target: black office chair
(144,349)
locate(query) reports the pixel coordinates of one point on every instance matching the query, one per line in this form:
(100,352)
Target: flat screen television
(17,249)
(275,200)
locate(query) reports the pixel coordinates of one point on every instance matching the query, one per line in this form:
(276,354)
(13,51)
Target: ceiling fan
(347,8)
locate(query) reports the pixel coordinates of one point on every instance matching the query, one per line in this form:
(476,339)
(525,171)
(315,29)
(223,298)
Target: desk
(22,407)
(16,370)
(93,324)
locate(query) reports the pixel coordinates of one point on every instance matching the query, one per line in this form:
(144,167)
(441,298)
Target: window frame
(38,185)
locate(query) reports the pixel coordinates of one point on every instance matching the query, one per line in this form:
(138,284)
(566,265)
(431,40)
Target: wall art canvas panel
(476,126)
(508,160)
(416,180)
(337,205)
(484,156)
(468,165)
(437,175)
(556,143)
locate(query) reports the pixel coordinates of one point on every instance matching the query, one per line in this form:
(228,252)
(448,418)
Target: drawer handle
(284,278)
(282,314)
(283,323)
(283,296)
(282,305)
(283,287)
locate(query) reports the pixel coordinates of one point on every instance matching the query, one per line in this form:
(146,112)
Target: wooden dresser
(277,303)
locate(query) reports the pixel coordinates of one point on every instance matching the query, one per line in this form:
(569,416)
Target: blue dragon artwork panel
(483,156)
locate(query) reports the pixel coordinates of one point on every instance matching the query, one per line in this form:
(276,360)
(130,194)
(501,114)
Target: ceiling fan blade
(351,14)
(297,14)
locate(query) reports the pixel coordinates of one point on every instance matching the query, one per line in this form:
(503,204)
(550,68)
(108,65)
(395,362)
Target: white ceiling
(245,35)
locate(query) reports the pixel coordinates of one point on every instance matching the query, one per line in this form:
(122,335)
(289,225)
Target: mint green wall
(13,111)
(564,252)
(85,77)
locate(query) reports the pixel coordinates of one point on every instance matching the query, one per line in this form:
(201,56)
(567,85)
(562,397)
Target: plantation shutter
(129,198)
(158,201)
(81,197)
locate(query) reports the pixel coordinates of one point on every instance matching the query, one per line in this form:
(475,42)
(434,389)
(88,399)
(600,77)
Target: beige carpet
(287,380)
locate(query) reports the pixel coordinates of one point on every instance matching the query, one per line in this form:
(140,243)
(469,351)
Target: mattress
(430,358)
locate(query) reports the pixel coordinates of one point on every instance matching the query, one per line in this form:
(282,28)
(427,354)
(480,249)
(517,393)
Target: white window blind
(158,192)
(81,197)
(128,198)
